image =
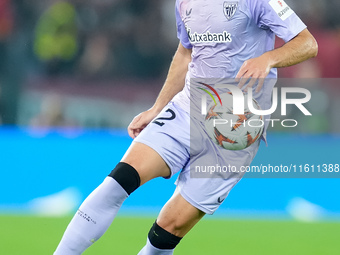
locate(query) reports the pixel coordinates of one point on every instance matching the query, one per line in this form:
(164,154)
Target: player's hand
(252,70)
(140,122)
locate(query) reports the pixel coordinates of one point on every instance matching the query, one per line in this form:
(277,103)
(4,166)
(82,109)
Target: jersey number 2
(158,122)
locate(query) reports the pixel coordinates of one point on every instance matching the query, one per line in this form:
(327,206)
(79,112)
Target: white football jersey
(223,35)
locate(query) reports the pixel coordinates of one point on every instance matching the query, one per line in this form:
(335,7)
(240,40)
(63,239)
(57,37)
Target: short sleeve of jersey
(181,31)
(277,16)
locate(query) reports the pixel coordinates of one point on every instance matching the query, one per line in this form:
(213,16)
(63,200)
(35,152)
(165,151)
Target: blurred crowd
(99,40)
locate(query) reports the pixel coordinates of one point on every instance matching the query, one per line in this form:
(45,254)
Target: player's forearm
(299,49)
(175,80)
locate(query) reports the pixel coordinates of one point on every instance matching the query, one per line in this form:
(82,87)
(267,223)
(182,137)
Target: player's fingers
(243,70)
(243,81)
(135,122)
(131,132)
(136,132)
(133,126)
(260,85)
(250,83)
(238,77)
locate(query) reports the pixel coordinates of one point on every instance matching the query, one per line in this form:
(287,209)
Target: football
(231,131)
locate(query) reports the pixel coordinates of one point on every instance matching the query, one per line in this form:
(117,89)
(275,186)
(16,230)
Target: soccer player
(218,40)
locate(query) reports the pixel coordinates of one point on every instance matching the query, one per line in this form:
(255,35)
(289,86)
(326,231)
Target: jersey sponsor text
(208,37)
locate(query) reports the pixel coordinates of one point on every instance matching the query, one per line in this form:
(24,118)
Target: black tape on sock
(162,239)
(126,176)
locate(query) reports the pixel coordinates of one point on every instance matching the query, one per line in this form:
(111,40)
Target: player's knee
(126,176)
(162,239)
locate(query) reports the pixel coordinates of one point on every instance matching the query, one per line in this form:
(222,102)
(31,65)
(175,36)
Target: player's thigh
(178,216)
(147,162)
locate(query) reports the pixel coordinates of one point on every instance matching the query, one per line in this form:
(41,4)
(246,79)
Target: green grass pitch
(212,236)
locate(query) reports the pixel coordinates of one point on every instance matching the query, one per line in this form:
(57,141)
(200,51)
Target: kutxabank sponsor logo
(208,37)
(242,101)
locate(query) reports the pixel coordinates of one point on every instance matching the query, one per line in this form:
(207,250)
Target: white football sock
(149,249)
(93,218)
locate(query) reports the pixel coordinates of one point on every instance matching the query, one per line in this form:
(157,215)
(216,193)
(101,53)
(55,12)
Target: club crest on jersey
(229,9)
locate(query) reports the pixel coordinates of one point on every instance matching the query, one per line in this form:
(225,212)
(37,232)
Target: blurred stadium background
(73,74)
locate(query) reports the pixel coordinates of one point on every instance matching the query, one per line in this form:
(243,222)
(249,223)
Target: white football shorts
(208,171)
